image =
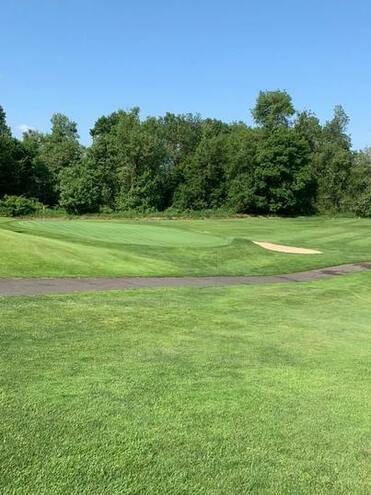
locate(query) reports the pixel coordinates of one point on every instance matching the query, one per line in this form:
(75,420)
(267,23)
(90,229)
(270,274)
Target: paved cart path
(36,286)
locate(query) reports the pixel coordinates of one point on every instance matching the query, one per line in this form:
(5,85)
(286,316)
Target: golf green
(79,248)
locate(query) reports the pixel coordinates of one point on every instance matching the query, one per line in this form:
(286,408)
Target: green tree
(41,180)
(181,135)
(240,167)
(203,183)
(104,153)
(332,163)
(80,188)
(336,128)
(359,185)
(142,158)
(130,157)
(273,109)
(308,126)
(282,180)
(11,173)
(15,171)
(282,166)
(4,128)
(61,148)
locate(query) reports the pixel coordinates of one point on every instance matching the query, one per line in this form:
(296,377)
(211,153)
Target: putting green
(149,247)
(120,233)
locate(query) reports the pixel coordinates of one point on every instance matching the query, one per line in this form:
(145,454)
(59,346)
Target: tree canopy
(273,109)
(288,164)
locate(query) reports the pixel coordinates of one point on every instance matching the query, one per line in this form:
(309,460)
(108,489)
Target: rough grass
(57,248)
(211,391)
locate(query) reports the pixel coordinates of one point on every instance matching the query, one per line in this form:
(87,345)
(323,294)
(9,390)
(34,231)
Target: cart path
(38,286)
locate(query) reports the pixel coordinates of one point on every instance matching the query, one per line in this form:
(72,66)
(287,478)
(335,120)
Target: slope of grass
(50,248)
(211,391)
(121,233)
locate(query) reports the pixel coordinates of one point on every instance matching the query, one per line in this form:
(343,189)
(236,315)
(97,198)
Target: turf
(262,390)
(57,248)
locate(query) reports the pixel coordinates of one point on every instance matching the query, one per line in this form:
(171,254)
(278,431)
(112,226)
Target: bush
(17,206)
(361,205)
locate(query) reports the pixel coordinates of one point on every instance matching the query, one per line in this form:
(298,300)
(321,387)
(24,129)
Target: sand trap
(286,249)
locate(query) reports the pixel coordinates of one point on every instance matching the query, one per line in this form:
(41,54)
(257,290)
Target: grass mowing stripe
(225,390)
(50,248)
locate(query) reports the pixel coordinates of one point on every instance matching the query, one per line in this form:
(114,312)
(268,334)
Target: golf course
(241,389)
(185,248)
(118,248)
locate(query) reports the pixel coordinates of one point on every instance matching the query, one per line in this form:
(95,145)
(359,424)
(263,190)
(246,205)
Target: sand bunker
(286,249)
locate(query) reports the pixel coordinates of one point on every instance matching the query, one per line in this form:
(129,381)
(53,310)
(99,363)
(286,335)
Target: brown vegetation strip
(37,286)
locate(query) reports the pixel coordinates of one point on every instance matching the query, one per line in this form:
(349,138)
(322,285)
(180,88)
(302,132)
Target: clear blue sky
(86,58)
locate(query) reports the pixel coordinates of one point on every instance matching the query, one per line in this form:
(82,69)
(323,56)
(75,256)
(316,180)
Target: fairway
(187,390)
(118,248)
(205,391)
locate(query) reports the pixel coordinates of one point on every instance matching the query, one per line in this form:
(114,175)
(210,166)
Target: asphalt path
(38,286)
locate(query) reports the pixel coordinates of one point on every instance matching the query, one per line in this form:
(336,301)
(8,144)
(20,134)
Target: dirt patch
(286,249)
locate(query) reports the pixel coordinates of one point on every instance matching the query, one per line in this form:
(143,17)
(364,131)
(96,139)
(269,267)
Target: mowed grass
(262,390)
(57,248)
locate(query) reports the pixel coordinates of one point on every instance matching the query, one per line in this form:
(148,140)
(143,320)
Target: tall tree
(359,185)
(332,163)
(240,167)
(57,150)
(14,166)
(4,128)
(336,129)
(142,158)
(61,148)
(80,188)
(41,184)
(130,158)
(308,126)
(103,153)
(273,109)
(282,179)
(203,183)
(181,135)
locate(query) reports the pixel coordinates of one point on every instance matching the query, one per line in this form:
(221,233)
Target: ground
(57,248)
(261,389)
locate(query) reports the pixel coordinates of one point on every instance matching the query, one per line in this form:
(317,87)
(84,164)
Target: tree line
(288,163)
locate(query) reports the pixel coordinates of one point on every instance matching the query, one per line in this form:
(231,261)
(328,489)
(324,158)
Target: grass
(57,248)
(262,390)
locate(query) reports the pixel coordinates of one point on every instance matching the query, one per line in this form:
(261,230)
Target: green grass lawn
(57,248)
(262,390)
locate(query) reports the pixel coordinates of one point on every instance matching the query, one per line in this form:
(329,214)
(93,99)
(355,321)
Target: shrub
(16,206)
(361,205)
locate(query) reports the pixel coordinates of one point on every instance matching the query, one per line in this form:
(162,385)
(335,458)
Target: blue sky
(86,58)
